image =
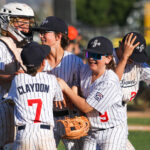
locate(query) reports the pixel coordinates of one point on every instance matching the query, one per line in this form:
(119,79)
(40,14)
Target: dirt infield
(139,128)
(139,114)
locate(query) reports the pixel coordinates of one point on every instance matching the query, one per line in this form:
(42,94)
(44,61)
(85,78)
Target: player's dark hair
(32,70)
(64,40)
(111,64)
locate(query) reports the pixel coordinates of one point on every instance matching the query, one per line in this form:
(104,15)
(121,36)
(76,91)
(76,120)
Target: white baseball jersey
(109,118)
(7,64)
(69,70)
(33,97)
(105,96)
(133,74)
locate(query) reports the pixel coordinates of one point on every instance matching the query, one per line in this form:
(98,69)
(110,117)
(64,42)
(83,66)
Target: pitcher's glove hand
(76,127)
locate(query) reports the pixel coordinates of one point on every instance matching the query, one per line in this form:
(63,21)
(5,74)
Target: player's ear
(58,36)
(43,63)
(108,59)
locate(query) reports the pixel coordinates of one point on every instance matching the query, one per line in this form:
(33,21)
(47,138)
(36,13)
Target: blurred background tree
(104,12)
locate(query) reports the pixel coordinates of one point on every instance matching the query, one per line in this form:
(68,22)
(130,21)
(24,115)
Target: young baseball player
(33,94)
(102,98)
(131,68)
(15,20)
(63,64)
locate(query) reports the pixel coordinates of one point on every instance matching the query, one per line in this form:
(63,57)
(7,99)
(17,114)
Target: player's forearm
(77,100)
(6,78)
(121,66)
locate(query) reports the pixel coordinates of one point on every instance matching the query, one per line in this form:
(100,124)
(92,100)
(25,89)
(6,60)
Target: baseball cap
(33,54)
(100,45)
(52,23)
(139,54)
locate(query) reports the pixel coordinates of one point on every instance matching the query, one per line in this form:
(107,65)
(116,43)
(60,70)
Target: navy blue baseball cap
(52,23)
(139,54)
(33,54)
(100,45)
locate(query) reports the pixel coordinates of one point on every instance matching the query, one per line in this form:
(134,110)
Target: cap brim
(97,51)
(39,29)
(140,58)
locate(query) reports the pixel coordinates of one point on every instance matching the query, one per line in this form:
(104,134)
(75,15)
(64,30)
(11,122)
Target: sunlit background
(110,18)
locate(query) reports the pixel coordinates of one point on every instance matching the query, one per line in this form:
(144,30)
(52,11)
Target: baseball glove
(76,127)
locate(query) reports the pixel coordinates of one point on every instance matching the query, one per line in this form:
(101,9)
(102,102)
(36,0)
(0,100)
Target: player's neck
(96,75)
(55,57)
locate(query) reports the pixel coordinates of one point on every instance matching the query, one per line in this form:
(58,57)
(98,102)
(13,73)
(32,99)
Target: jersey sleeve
(76,77)
(145,73)
(12,91)
(58,92)
(103,96)
(2,56)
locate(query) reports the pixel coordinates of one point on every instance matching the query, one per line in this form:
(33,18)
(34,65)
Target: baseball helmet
(17,10)
(72,33)
(12,11)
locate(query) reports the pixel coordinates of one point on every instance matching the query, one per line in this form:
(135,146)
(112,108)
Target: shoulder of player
(41,76)
(48,76)
(110,77)
(66,53)
(3,47)
(144,65)
(85,69)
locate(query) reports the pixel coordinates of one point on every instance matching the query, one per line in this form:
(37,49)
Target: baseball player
(15,20)
(63,64)
(132,68)
(33,99)
(102,100)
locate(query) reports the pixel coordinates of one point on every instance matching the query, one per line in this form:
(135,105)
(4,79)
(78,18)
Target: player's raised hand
(129,45)
(18,72)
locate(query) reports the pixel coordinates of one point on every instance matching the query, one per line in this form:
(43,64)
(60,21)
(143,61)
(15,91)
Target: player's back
(34,98)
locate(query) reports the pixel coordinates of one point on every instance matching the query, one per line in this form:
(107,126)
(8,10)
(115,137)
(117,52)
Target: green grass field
(139,121)
(61,146)
(139,139)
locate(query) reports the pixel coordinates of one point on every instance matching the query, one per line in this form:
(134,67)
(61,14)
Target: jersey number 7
(38,109)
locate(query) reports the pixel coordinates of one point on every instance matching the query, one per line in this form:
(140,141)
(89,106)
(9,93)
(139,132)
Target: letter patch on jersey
(98,96)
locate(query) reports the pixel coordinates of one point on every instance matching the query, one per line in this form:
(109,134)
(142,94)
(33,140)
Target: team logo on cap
(95,43)
(140,48)
(98,96)
(45,22)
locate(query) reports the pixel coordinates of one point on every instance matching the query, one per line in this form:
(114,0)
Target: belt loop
(21,127)
(43,126)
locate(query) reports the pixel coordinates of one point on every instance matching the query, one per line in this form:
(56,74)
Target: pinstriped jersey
(8,65)
(68,69)
(133,74)
(105,96)
(33,97)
